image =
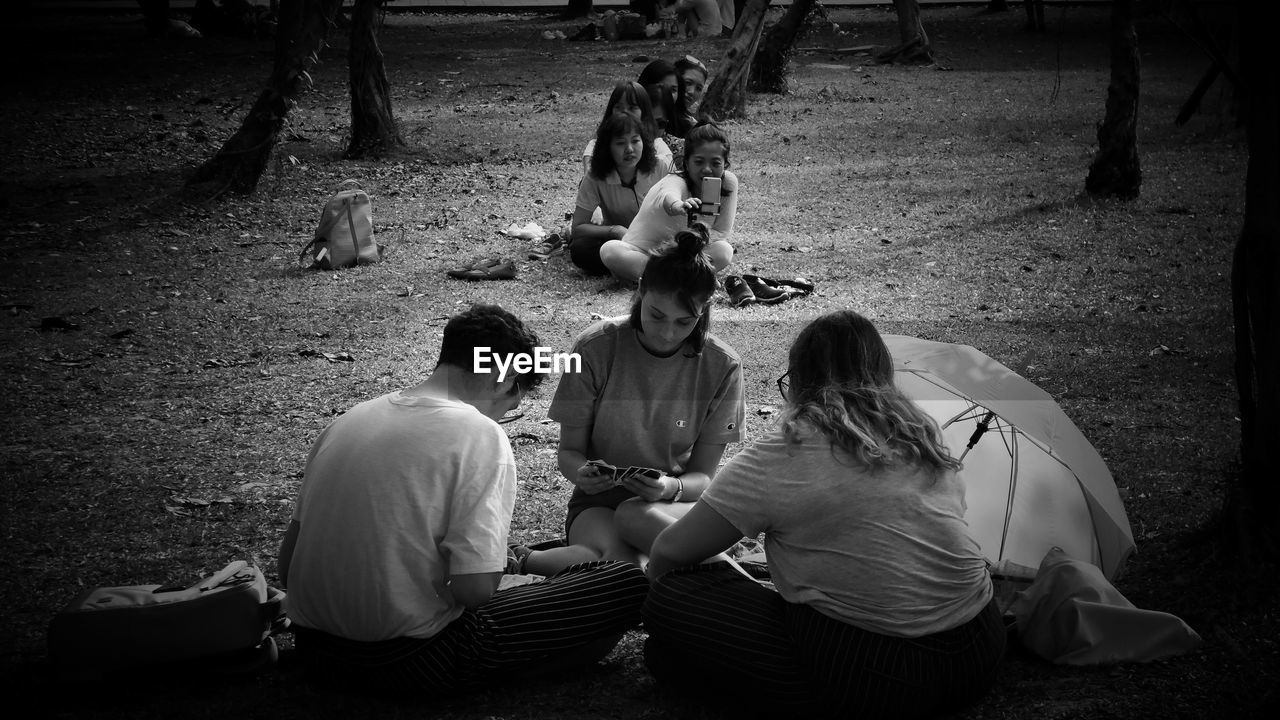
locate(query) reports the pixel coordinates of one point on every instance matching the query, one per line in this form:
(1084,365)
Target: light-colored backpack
(344,235)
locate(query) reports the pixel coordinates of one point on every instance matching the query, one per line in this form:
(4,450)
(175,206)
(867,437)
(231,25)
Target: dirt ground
(163,360)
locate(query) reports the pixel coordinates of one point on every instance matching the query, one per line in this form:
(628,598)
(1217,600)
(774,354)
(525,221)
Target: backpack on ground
(344,235)
(229,616)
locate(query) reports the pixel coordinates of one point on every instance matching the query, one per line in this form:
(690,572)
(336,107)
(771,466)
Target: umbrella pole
(1013,486)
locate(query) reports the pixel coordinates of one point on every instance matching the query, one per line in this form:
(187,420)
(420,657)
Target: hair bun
(690,243)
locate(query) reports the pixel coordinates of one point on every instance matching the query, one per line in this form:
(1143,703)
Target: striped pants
(712,632)
(570,619)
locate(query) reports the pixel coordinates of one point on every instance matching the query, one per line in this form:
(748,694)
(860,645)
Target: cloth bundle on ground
(228,616)
(1072,615)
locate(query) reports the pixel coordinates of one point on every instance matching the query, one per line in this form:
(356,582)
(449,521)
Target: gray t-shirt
(888,552)
(647,410)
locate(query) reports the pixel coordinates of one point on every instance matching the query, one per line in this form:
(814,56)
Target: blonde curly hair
(841,386)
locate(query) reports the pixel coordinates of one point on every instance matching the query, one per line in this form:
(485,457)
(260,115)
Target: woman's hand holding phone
(684,207)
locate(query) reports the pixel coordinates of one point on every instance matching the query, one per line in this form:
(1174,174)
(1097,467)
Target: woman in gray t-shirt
(883,604)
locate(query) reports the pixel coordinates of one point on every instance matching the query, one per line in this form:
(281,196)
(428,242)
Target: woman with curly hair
(883,605)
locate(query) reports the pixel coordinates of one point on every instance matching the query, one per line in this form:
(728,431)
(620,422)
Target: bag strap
(223,575)
(305,261)
(351,223)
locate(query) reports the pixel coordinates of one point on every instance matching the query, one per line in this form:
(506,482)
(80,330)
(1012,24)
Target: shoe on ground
(505,269)
(739,292)
(799,285)
(765,294)
(552,245)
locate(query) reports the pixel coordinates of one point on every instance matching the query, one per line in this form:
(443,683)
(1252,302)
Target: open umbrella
(1032,480)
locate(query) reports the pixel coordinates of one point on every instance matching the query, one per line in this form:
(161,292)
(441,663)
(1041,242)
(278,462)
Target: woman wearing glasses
(883,606)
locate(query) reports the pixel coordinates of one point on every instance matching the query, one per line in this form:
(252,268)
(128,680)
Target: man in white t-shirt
(398,541)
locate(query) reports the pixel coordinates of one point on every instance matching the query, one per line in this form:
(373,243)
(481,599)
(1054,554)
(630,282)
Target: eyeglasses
(783,384)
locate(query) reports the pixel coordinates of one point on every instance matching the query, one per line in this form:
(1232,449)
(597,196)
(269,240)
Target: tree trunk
(1253,502)
(915,46)
(236,168)
(1035,14)
(373,126)
(727,94)
(770,67)
(1115,171)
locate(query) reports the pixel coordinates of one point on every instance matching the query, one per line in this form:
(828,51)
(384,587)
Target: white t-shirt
(887,552)
(400,493)
(653,228)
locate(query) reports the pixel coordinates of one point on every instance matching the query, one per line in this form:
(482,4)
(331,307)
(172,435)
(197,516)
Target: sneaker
(552,245)
(765,294)
(505,269)
(739,292)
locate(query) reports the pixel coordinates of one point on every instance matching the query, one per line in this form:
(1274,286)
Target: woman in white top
(676,203)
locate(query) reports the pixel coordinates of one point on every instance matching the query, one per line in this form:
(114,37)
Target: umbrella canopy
(1032,480)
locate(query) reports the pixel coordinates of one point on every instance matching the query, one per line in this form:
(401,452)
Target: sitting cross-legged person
(623,168)
(667,209)
(398,542)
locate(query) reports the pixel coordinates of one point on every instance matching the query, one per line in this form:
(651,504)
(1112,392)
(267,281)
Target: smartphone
(711,192)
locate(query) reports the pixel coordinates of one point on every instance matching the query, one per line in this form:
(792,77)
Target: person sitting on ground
(662,74)
(884,606)
(669,205)
(657,390)
(395,554)
(693,85)
(671,127)
(629,98)
(623,168)
(701,18)
(728,15)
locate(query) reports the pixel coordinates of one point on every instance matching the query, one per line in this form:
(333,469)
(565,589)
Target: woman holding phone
(679,200)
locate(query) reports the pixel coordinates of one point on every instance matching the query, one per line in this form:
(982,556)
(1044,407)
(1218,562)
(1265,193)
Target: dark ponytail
(685,270)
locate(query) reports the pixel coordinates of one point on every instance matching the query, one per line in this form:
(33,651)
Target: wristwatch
(679,491)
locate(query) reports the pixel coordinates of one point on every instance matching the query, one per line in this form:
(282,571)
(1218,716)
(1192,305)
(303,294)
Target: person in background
(693,86)
(883,605)
(630,98)
(623,168)
(671,123)
(701,18)
(663,74)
